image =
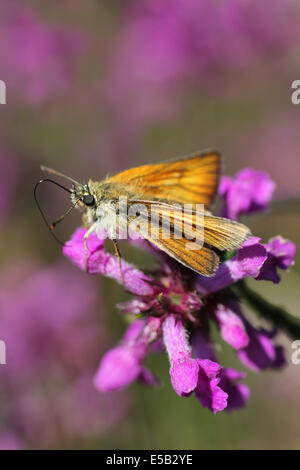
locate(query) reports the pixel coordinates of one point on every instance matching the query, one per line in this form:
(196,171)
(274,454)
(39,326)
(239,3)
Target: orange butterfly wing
(202,260)
(192,179)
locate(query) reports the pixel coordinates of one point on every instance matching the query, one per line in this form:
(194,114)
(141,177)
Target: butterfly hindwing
(186,236)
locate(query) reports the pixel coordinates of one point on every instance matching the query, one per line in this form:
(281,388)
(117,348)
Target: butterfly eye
(88,200)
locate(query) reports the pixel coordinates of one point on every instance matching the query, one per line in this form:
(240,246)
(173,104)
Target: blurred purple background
(96,87)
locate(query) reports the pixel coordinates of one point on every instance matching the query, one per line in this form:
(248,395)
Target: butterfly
(179,192)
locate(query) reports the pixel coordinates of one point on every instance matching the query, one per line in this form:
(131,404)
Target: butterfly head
(81,196)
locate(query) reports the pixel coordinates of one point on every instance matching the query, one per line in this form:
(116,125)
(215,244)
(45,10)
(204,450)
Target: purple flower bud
(281,254)
(250,191)
(261,353)
(231,326)
(122,365)
(133,307)
(119,367)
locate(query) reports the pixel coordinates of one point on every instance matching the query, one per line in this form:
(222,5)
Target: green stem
(277,315)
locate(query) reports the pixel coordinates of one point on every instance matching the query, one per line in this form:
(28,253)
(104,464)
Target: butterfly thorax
(106,200)
(103,191)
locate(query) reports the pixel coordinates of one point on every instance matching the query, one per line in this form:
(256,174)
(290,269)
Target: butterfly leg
(85,238)
(118,254)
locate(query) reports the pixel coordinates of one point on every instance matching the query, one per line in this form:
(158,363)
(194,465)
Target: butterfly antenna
(61,218)
(58,173)
(51,226)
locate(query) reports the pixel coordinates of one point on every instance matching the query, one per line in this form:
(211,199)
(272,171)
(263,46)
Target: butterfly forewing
(192,179)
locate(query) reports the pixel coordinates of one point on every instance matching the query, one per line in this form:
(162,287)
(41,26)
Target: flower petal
(184,369)
(175,339)
(184,376)
(247,262)
(118,368)
(231,326)
(147,378)
(250,191)
(238,393)
(281,254)
(123,364)
(208,391)
(101,262)
(261,353)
